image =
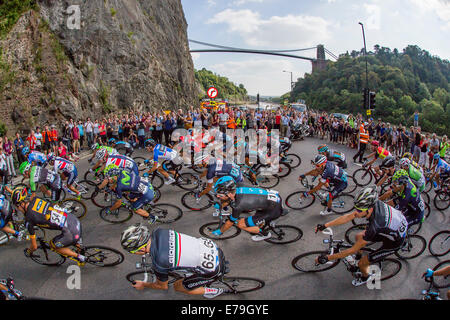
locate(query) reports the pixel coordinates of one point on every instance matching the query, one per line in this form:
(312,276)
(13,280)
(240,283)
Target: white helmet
(134,237)
(404,162)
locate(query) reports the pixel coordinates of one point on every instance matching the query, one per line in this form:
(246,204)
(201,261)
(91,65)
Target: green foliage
(3,129)
(6,74)
(404,82)
(113,12)
(11,11)
(227,89)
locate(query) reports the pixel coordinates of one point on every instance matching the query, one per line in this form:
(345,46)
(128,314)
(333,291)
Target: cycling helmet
(375,143)
(366,198)
(320,160)
(322,148)
(101,153)
(95,146)
(25,151)
(400,175)
(225,185)
(112,141)
(18,195)
(407,155)
(404,162)
(436,156)
(51,156)
(389,163)
(149,142)
(135,237)
(112,170)
(25,166)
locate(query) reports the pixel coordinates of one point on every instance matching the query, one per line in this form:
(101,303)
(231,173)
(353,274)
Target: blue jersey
(63,165)
(410,199)
(164,153)
(125,144)
(38,157)
(221,168)
(5,211)
(130,182)
(334,174)
(442,167)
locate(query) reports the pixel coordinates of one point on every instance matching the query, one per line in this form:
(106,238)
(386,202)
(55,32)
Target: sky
(295,24)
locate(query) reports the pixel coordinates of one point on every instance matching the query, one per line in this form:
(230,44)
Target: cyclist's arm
(158,285)
(442,272)
(386,195)
(318,187)
(155,165)
(341,220)
(360,242)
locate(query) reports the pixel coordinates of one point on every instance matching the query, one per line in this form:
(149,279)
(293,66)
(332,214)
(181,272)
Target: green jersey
(417,177)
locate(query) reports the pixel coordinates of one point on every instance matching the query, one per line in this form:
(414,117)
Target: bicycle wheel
(146,276)
(4,238)
(62,196)
(101,256)
(102,199)
(441,200)
(284,234)
(47,257)
(97,178)
(428,186)
(351,185)
(284,169)
(235,285)
(294,201)
(157,181)
(293,160)
(207,229)
(86,188)
(188,181)
(440,243)
(190,201)
(441,282)
(427,211)
(75,207)
(165,212)
(306,262)
(117,216)
(267,181)
(415,228)
(140,162)
(157,194)
(425,197)
(413,247)
(362,177)
(351,232)
(343,203)
(389,267)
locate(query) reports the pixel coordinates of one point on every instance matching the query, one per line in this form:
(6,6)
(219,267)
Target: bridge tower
(320,63)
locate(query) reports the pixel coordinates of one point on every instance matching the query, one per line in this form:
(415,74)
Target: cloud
(262,75)
(242,2)
(195,56)
(211,3)
(373,20)
(277,31)
(440,7)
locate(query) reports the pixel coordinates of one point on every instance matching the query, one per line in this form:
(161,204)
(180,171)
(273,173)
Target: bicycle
(364,175)
(230,285)
(279,232)
(19,225)
(85,187)
(185,180)
(104,198)
(95,255)
(191,201)
(413,246)
(429,293)
(164,212)
(306,262)
(13,293)
(291,159)
(442,198)
(342,203)
(439,244)
(262,180)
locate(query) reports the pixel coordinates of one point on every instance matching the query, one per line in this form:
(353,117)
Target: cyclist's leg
(141,201)
(68,237)
(387,248)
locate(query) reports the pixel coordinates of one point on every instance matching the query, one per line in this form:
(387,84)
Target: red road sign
(212,92)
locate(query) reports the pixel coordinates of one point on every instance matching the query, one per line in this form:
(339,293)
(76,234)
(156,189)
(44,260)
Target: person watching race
(39,175)
(66,169)
(329,172)
(140,192)
(385,224)
(408,201)
(161,152)
(386,168)
(416,174)
(266,203)
(39,212)
(201,257)
(333,155)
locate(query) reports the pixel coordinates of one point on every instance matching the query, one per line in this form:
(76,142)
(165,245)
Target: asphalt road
(263,260)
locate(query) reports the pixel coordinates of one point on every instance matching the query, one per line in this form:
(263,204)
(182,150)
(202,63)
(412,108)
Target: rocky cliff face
(124,54)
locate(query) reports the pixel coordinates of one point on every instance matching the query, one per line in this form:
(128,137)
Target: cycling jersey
(5,211)
(386,222)
(125,144)
(123,162)
(266,203)
(137,186)
(171,251)
(163,153)
(382,153)
(44,176)
(109,150)
(67,167)
(442,167)
(43,214)
(38,157)
(417,177)
(219,168)
(332,173)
